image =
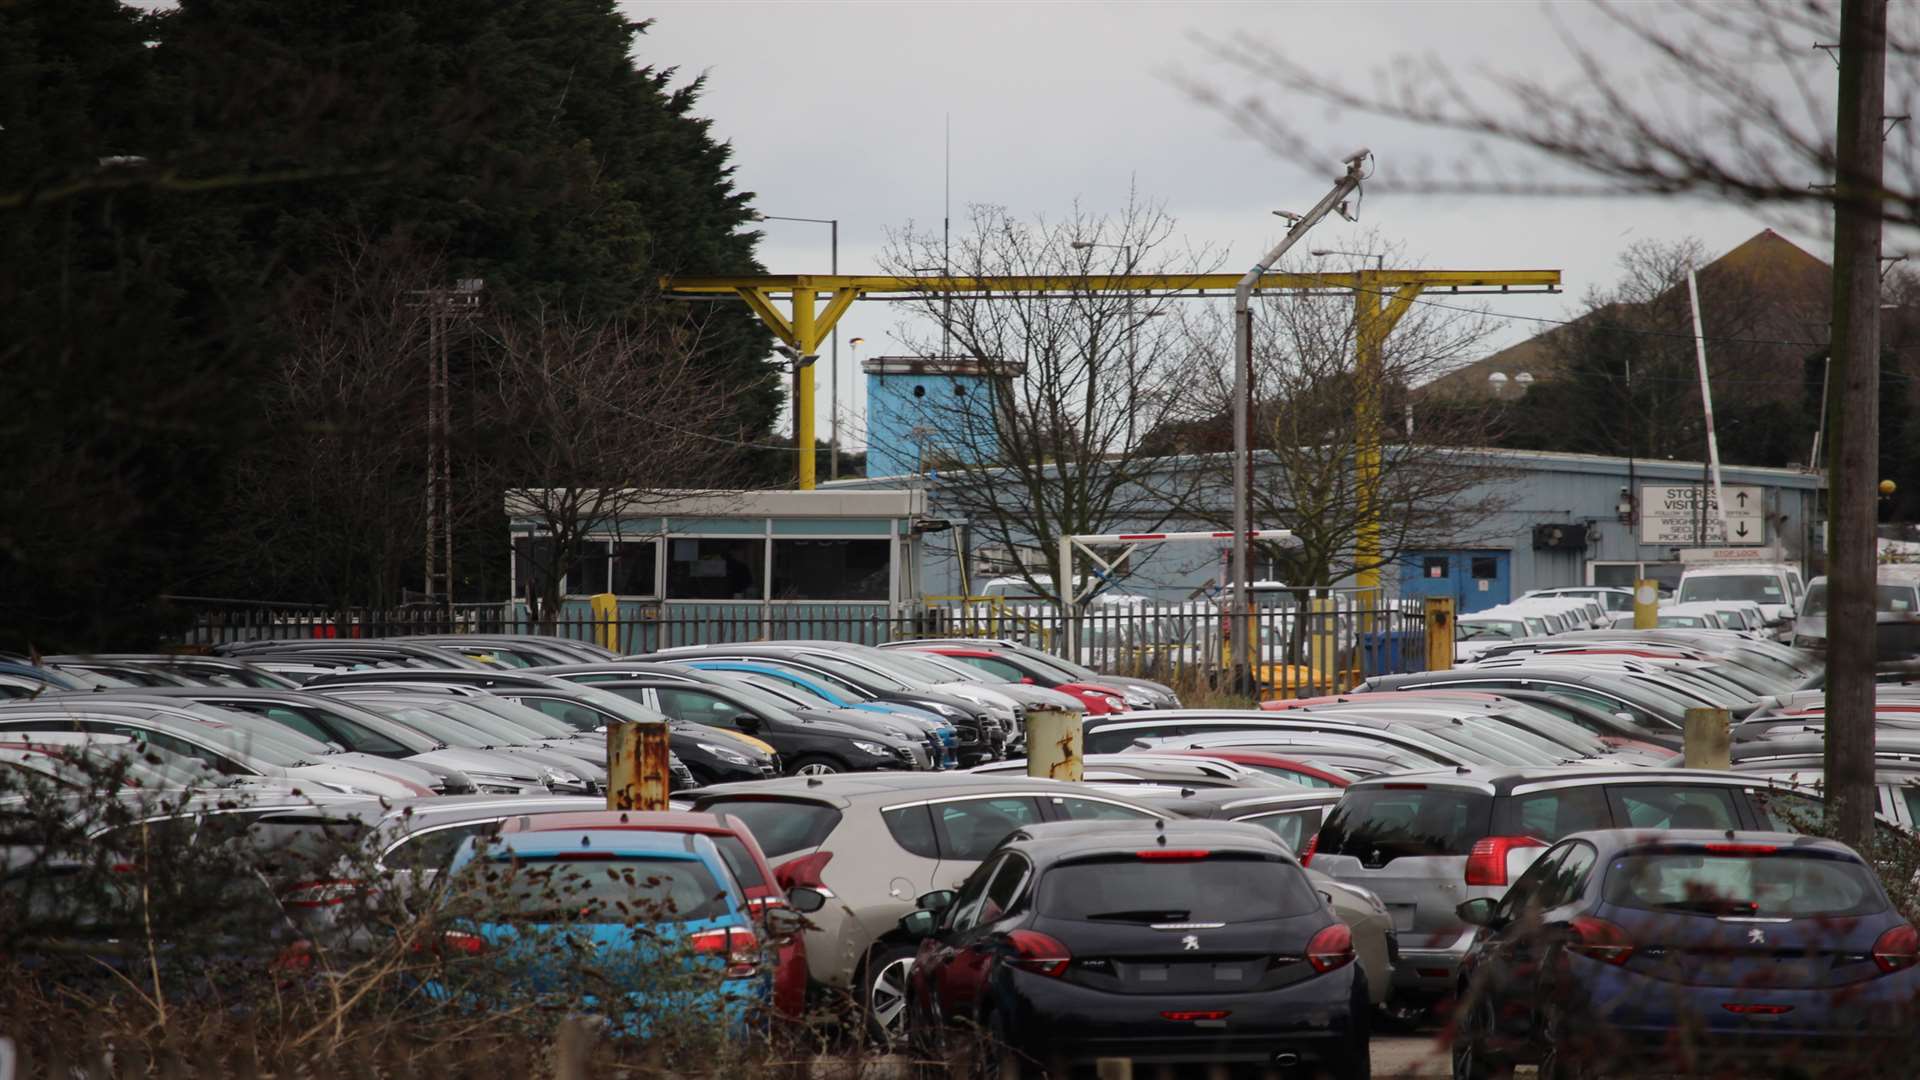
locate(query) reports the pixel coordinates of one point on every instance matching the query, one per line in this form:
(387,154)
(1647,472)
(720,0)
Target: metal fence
(1325,645)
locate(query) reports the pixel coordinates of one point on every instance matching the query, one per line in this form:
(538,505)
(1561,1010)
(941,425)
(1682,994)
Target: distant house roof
(1771,262)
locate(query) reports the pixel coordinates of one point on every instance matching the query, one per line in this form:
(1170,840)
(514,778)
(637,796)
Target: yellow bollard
(1646,604)
(638,772)
(1323,646)
(1053,745)
(606,619)
(1708,739)
(1440,633)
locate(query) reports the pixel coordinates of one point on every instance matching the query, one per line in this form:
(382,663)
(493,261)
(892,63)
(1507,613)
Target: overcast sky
(836,110)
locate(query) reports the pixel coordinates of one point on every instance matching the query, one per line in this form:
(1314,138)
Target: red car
(1099,699)
(1304,773)
(744,858)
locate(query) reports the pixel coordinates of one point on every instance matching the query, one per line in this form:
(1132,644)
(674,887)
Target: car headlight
(958,716)
(731,757)
(344,789)
(1137,700)
(561,776)
(874,748)
(489,784)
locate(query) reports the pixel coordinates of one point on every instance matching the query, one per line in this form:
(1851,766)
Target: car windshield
(1507,629)
(781,826)
(428,723)
(567,889)
(1222,889)
(1392,821)
(1761,588)
(1766,883)
(751,693)
(1887,598)
(793,693)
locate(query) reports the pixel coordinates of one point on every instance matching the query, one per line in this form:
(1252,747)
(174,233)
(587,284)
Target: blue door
(1476,580)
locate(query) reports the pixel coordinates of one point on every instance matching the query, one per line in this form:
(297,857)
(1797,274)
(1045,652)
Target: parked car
(1140,942)
(1776,587)
(871,842)
(1147,767)
(1096,697)
(1426,842)
(808,744)
(1692,951)
(1148,693)
(1306,773)
(744,858)
(651,908)
(810,692)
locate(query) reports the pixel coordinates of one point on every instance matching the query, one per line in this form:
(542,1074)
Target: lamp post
(1133,326)
(833,361)
(1379,260)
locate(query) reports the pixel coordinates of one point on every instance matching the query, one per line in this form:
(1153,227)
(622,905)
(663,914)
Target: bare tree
(1433,490)
(334,502)
(1049,442)
(590,422)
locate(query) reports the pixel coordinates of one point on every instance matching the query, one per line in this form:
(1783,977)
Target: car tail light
(462,942)
(1599,940)
(1741,1009)
(1313,845)
(1038,953)
(319,894)
(1208,1014)
(1898,949)
(1742,849)
(1331,948)
(1173,854)
(805,870)
(739,946)
(1487,862)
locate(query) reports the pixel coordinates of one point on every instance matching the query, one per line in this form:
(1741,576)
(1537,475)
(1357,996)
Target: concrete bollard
(1053,745)
(638,766)
(1646,604)
(1709,737)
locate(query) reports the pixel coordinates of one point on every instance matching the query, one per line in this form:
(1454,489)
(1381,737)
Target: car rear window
(739,860)
(782,826)
(1219,889)
(1402,820)
(1766,884)
(622,890)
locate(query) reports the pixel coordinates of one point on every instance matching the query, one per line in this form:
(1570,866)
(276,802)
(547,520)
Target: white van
(1776,587)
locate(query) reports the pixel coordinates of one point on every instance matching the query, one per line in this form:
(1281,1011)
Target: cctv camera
(1357,156)
(1288,214)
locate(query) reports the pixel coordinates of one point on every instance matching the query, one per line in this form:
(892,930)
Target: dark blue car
(1688,951)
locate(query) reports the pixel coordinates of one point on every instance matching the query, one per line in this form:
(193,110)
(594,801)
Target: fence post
(638,773)
(1646,604)
(1708,734)
(1053,745)
(1439,633)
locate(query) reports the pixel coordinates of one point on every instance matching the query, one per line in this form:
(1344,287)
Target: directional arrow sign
(1672,513)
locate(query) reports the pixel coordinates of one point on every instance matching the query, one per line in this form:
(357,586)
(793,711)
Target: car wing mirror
(806,899)
(747,721)
(936,901)
(1478,912)
(785,922)
(917,924)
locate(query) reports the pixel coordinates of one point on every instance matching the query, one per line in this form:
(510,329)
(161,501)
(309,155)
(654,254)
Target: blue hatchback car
(571,919)
(1688,951)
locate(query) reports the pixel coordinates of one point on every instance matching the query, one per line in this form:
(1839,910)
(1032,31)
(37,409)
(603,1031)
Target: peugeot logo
(1191,943)
(1756,936)
(1374,858)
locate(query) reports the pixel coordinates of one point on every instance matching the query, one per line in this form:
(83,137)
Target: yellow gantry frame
(1381,298)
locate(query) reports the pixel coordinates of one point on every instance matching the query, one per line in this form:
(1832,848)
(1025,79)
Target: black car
(808,747)
(981,736)
(1176,943)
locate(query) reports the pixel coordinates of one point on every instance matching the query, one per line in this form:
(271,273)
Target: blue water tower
(925,411)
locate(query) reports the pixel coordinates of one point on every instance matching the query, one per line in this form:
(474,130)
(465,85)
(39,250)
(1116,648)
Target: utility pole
(444,307)
(1853,424)
(1241,621)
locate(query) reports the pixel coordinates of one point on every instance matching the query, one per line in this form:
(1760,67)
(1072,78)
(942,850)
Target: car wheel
(886,981)
(815,765)
(1560,1060)
(1470,1057)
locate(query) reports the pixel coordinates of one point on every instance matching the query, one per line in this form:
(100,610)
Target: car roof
(846,789)
(1506,780)
(660,820)
(1064,840)
(1623,840)
(616,840)
(1247,800)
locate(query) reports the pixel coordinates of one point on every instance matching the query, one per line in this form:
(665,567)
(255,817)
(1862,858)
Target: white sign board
(1670,514)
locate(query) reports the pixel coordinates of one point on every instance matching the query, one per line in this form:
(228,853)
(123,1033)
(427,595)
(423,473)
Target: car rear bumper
(1051,1020)
(1639,1011)
(1429,970)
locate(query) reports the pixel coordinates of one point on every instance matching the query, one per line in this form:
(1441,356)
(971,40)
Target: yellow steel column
(806,344)
(1366,437)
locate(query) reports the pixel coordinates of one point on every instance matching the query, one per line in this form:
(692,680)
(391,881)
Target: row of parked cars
(1225,885)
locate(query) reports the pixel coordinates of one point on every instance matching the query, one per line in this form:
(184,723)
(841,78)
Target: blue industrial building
(923,410)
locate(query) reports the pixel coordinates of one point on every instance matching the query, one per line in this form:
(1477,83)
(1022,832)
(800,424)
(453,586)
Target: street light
(1379,260)
(1133,326)
(833,363)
